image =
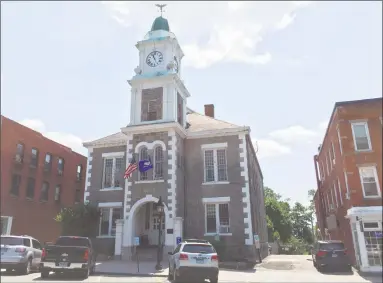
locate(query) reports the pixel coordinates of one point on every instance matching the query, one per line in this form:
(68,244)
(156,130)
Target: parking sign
(178,240)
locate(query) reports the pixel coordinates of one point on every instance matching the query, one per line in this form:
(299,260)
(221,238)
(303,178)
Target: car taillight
(86,255)
(345,251)
(20,250)
(44,253)
(184,257)
(321,253)
(214,258)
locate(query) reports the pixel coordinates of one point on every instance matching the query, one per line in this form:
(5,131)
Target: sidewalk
(129,268)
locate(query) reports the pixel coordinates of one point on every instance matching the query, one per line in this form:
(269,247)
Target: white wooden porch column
(119,237)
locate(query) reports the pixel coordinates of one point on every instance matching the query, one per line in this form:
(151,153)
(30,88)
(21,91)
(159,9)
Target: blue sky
(278,67)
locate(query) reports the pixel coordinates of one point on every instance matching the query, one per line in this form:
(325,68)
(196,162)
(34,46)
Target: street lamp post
(160,210)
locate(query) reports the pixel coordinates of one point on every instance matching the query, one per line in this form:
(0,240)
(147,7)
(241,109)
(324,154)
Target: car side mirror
(170,253)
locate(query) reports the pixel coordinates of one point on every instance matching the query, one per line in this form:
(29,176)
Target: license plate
(334,255)
(199,260)
(63,264)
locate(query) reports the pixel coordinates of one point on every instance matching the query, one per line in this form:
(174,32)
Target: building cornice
(163,127)
(218,132)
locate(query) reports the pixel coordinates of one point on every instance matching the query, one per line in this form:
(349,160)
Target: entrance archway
(136,208)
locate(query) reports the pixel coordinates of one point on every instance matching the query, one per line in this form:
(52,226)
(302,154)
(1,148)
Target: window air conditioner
(224,229)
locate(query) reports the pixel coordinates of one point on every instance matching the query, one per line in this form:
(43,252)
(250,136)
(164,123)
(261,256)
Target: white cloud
(69,140)
(269,148)
(294,134)
(212,32)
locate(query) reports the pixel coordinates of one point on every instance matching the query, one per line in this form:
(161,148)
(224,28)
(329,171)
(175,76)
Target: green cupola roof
(160,23)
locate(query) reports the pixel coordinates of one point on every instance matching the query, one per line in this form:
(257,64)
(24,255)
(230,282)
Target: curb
(131,274)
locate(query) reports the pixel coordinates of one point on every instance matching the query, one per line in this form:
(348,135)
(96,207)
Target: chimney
(209,110)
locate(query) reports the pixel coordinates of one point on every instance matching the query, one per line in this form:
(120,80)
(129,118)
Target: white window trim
(332,197)
(328,202)
(376,181)
(330,159)
(379,228)
(340,141)
(9,225)
(219,201)
(333,152)
(113,156)
(323,172)
(336,195)
(327,168)
(346,183)
(214,149)
(111,207)
(340,193)
(365,124)
(214,146)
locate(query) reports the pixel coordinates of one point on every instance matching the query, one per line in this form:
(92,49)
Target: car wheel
(175,278)
(214,280)
(85,273)
(169,274)
(44,274)
(26,269)
(92,270)
(314,263)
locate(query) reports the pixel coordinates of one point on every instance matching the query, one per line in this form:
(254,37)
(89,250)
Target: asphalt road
(274,269)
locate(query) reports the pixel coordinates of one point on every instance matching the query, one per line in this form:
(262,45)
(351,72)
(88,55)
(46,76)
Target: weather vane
(161,7)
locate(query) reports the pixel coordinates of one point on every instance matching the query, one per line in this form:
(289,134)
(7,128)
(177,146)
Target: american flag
(131,168)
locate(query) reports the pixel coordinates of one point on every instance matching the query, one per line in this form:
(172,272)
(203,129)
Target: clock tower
(158,94)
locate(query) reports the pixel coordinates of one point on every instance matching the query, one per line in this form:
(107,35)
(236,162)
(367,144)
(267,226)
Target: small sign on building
(136,241)
(178,240)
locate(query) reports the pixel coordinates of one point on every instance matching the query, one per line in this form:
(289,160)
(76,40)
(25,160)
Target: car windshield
(332,246)
(11,241)
(205,249)
(72,241)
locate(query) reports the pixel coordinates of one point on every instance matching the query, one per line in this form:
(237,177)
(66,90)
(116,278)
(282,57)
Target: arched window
(143,156)
(158,162)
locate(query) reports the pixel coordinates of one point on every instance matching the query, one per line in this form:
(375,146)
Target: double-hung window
(158,163)
(333,152)
(369,181)
(217,220)
(327,166)
(215,163)
(113,170)
(361,136)
(108,219)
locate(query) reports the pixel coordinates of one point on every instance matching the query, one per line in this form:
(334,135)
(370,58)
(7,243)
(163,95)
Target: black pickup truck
(68,254)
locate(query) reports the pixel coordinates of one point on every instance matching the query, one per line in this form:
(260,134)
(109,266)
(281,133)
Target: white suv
(193,258)
(20,253)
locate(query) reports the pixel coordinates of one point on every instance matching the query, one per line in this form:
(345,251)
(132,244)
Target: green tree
(278,216)
(301,219)
(79,220)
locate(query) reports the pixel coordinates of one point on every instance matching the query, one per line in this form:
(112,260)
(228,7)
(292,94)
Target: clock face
(154,58)
(176,65)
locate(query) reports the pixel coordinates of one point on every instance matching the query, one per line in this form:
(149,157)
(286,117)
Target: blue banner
(145,165)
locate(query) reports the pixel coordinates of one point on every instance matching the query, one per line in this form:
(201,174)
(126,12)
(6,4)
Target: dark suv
(330,255)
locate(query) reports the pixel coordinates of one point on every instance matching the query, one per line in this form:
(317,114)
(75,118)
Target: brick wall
(346,166)
(32,216)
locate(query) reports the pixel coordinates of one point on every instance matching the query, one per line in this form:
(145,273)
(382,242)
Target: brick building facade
(38,178)
(348,167)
